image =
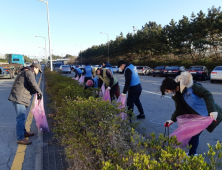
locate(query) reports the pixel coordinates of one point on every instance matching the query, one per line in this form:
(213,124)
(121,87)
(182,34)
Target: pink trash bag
(81,80)
(122,100)
(106,96)
(39,114)
(77,78)
(190,125)
(103,90)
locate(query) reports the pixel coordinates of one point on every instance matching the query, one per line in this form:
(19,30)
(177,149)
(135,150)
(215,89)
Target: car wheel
(212,81)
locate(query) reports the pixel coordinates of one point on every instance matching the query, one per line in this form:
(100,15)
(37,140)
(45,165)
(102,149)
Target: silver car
(64,69)
(216,74)
(142,69)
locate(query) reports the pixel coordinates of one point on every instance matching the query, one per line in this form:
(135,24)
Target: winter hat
(89,83)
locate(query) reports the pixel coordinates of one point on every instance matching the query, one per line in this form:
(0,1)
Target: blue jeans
(20,120)
(194,141)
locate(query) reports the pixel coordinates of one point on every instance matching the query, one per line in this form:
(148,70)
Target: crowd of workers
(189,97)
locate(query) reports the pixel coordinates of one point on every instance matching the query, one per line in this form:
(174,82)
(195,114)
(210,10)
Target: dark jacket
(182,107)
(128,77)
(24,86)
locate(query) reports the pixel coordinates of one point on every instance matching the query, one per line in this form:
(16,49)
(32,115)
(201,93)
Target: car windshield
(218,68)
(114,67)
(139,67)
(65,66)
(173,67)
(159,68)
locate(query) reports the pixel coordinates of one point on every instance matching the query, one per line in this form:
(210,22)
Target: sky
(76,24)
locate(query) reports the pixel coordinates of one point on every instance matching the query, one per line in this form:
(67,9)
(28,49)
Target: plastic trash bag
(77,78)
(106,96)
(190,125)
(122,100)
(81,80)
(39,114)
(103,89)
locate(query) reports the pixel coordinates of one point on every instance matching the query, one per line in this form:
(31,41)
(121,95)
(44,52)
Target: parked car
(173,71)
(142,69)
(115,69)
(159,71)
(148,71)
(199,72)
(64,69)
(216,74)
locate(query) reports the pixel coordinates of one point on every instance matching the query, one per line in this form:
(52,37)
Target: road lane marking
(157,84)
(152,92)
(20,153)
(1,81)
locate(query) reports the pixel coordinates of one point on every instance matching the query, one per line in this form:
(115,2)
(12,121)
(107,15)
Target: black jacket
(24,86)
(128,77)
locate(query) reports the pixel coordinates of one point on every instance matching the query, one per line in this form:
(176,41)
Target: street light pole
(107,43)
(45,47)
(80,52)
(48,34)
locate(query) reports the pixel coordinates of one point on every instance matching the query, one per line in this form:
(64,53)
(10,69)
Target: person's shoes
(24,142)
(189,155)
(29,134)
(141,116)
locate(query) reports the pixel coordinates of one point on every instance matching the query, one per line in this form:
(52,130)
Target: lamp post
(80,52)
(48,34)
(45,47)
(107,43)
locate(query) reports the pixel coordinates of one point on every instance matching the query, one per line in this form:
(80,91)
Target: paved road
(159,109)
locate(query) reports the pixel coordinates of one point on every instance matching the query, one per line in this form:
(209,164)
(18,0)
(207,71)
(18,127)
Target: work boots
(141,116)
(24,142)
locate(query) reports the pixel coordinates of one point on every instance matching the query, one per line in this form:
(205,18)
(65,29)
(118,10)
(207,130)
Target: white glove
(214,115)
(109,88)
(123,94)
(168,123)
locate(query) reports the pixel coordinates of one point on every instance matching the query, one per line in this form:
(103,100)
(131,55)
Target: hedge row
(96,138)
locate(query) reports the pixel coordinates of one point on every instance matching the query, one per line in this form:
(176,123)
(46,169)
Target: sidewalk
(53,154)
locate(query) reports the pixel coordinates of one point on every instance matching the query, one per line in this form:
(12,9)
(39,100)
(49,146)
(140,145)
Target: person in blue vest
(191,97)
(92,83)
(87,72)
(77,71)
(132,86)
(108,65)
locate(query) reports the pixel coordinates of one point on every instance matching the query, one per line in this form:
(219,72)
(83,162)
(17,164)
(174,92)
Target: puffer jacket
(193,98)
(24,86)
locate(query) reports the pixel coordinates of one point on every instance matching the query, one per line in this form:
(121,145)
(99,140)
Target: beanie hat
(89,83)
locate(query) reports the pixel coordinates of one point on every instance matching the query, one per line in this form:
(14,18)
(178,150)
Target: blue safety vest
(135,78)
(79,71)
(88,71)
(95,80)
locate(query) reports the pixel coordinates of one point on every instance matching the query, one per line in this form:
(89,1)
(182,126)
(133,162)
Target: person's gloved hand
(109,88)
(214,115)
(123,94)
(168,123)
(39,96)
